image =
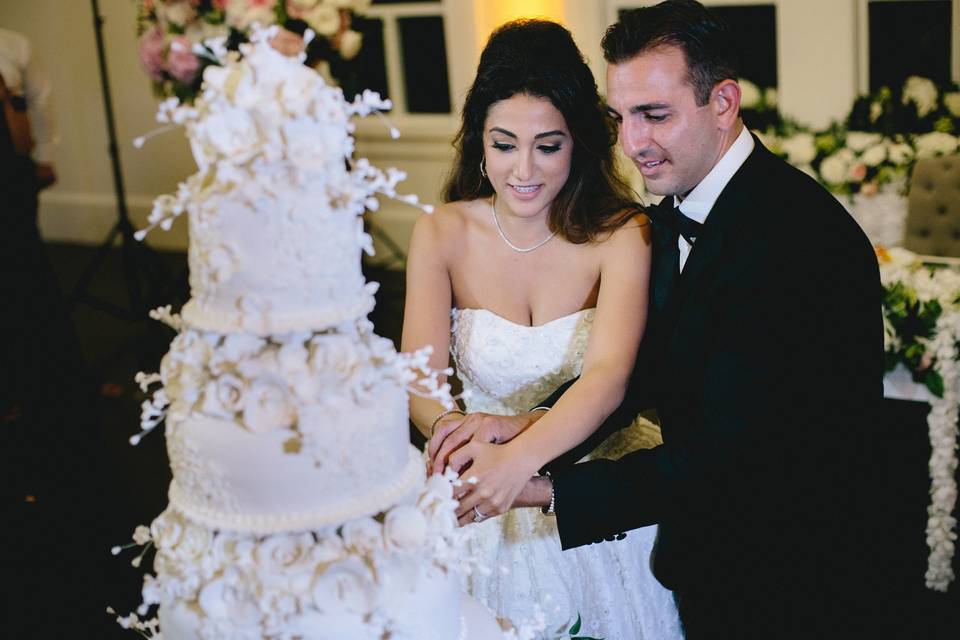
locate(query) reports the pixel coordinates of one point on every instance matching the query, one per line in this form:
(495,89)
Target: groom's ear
(725,101)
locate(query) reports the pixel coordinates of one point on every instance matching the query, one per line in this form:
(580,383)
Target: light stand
(139,261)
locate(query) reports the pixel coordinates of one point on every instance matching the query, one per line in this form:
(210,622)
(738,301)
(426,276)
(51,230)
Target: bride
(533,273)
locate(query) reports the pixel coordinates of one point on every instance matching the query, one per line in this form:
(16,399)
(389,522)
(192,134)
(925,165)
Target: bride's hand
(477,427)
(447,425)
(494,477)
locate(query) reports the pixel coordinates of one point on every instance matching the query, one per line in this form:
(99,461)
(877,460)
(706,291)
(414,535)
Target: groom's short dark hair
(702,36)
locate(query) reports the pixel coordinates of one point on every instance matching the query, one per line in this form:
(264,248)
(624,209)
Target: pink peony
(182,64)
(151,53)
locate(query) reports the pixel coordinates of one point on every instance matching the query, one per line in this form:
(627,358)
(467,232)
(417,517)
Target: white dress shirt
(24,77)
(700,201)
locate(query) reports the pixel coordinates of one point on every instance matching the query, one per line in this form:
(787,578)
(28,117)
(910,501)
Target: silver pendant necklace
(496,221)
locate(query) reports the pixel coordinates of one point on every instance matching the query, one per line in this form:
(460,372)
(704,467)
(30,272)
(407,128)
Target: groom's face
(672,141)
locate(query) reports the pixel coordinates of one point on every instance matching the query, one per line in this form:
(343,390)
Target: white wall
(818,71)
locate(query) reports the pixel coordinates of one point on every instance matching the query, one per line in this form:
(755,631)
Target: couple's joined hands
(479,448)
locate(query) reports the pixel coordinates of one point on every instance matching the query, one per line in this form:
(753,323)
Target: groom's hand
(476,427)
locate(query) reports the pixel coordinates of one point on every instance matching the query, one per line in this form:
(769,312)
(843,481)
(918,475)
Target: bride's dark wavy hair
(539,58)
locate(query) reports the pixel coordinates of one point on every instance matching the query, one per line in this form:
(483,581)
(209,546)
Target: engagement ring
(478,516)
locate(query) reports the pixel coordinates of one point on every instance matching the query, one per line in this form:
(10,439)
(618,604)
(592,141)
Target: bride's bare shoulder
(450,224)
(631,226)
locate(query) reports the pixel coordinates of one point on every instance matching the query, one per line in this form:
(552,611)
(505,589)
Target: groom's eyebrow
(652,106)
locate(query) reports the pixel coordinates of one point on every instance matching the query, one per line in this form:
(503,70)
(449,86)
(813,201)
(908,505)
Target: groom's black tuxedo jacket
(764,360)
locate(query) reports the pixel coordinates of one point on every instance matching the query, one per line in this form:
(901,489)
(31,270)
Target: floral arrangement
(173,33)
(921,320)
(878,143)
(758,106)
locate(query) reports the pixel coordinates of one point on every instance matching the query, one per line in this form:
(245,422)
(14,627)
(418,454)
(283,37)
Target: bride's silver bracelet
(441,416)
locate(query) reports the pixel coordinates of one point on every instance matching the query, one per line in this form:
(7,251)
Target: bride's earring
(483,170)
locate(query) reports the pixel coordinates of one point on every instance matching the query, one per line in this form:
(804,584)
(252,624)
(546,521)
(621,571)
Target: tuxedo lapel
(733,204)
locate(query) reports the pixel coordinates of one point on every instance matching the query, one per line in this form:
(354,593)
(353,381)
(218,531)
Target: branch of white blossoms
(152,410)
(165,315)
(424,381)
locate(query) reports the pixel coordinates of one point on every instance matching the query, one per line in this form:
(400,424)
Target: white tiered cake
(298,508)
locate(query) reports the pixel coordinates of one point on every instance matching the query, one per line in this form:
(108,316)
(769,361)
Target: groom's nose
(634,137)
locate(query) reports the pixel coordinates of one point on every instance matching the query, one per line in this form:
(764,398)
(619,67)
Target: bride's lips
(525,192)
(650,168)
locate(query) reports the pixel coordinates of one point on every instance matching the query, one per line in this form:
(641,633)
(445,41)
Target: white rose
(324,19)
(193,544)
(166,529)
(405,526)
(922,92)
(177,12)
(800,148)
(363,535)
(952,101)
(900,153)
(229,598)
(232,134)
(936,143)
(860,140)
(770,97)
(328,548)
(345,586)
(834,168)
(750,96)
(335,356)
(233,549)
(241,14)
(224,396)
(292,358)
(279,553)
(350,44)
(874,155)
(268,406)
(239,346)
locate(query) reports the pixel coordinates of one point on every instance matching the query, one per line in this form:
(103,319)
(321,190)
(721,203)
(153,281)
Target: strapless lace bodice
(509,367)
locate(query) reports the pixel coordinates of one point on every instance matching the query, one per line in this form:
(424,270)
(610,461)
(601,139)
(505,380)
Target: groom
(763,358)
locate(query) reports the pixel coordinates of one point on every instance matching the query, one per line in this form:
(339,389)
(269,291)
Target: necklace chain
(496,221)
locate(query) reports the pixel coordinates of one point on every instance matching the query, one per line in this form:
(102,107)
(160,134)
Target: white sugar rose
(405,526)
(232,134)
(750,96)
(224,396)
(900,153)
(221,263)
(268,406)
(363,535)
(922,92)
(278,553)
(239,346)
(860,140)
(328,548)
(345,586)
(936,143)
(292,358)
(874,155)
(229,598)
(952,102)
(800,148)
(335,356)
(233,549)
(298,91)
(166,529)
(193,544)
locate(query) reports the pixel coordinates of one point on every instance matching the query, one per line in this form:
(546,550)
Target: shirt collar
(700,201)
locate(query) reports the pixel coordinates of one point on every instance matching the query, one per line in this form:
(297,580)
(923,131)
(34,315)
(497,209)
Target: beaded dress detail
(508,368)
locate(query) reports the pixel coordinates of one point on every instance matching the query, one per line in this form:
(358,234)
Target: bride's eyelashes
(545,148)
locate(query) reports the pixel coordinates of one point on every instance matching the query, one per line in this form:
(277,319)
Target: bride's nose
(523,167)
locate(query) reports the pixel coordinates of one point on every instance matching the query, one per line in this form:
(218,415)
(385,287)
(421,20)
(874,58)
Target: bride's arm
(426,311)
(502,470)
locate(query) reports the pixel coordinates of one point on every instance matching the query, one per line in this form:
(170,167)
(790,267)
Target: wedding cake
(298,508)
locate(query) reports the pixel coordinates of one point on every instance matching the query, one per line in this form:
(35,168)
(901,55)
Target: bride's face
(528,149)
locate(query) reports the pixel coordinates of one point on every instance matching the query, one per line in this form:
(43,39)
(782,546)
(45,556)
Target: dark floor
(72,486)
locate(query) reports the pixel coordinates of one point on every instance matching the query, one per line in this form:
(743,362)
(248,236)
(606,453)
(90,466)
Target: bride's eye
(549,148)
(502,146)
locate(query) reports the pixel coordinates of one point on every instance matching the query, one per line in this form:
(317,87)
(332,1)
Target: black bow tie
(676,221)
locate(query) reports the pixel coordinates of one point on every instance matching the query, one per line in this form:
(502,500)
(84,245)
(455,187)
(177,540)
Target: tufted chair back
(933,209)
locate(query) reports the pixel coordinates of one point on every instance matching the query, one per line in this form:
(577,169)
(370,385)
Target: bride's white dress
(508,368)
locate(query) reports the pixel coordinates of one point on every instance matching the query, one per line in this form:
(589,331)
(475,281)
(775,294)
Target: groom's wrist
(538,492)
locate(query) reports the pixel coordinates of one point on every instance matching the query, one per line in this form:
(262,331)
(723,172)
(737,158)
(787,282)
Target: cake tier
(269,263)
(391,577)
